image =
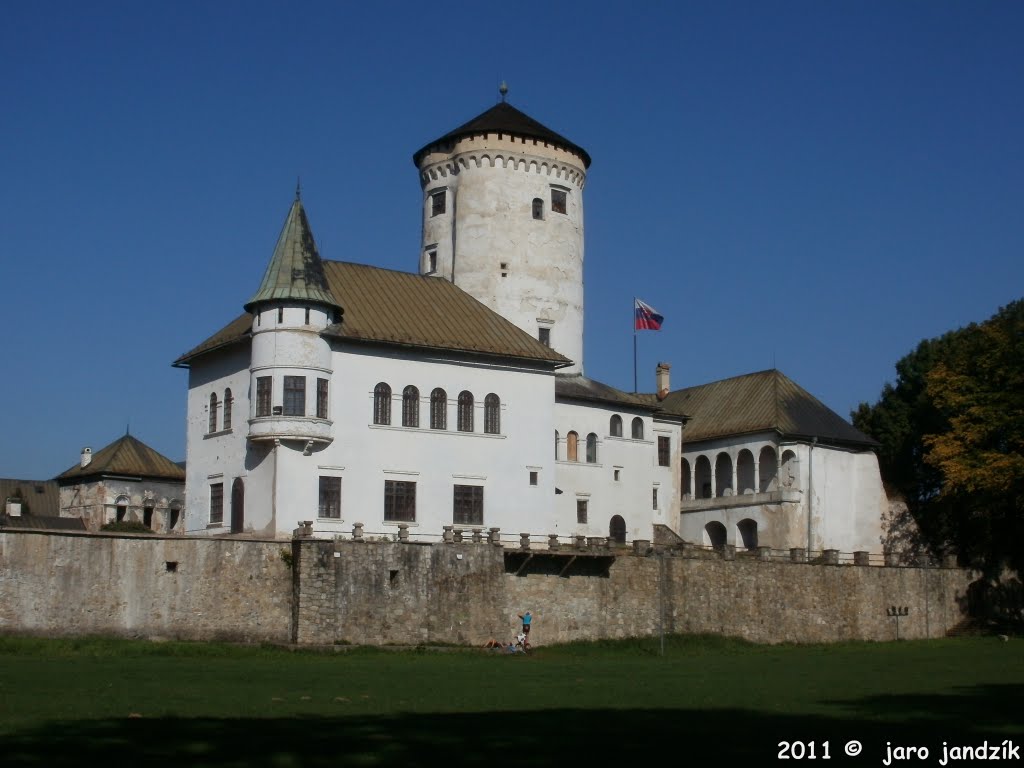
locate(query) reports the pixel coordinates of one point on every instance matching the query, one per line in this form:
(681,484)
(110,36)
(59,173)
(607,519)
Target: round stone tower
(503,220)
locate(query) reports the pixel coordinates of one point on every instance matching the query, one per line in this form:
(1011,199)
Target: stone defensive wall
(145,586)
(319,592)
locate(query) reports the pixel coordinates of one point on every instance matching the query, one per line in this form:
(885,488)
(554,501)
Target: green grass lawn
(103,702)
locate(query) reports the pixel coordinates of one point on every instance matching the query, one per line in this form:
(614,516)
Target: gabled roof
(295,272)
(504,118)
(579,387)
(400,308)
(42,523)
(39,497)
(760,402)
(125,456)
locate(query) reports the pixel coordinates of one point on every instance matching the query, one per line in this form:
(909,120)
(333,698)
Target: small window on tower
(504,269)
(431,262)
(280,314)
(544,335)
(558,201)
(437,203)
(538,208)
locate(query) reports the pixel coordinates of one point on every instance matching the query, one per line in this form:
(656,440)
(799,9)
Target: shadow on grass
(556,737)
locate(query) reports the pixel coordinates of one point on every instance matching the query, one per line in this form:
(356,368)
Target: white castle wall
(635,460)
(282,480)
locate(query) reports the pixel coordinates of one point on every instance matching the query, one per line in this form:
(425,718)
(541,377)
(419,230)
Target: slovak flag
(646,317)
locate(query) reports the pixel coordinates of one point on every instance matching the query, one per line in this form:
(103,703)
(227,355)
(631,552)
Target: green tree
(950,430)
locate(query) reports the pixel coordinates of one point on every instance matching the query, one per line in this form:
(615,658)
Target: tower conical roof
(295,272)
(504,118)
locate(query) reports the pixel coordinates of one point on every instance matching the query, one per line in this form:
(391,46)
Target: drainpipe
(810,491)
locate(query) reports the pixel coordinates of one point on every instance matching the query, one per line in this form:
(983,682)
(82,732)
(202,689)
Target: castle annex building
(455,396)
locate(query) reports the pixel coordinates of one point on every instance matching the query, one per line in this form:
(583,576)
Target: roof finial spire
(298,187)
(503,90)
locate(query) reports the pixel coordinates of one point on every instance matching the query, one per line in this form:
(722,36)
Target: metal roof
(39,497)
(579,387)
(504,118)
(759,402)
(295,272)
(383,306)
(125,456)
(34,522)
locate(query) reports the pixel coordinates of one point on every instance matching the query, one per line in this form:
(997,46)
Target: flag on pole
(647,318)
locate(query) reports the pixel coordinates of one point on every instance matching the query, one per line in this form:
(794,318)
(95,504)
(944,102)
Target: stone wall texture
(351,592)
(65,584)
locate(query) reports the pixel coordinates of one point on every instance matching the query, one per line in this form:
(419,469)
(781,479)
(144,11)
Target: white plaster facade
(281,476)
(767,491)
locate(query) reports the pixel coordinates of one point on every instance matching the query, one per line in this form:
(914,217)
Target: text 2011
(803,750)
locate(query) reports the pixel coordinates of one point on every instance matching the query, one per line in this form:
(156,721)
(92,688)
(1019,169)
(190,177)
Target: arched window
(410,407)
(768,470)
(465,411)
(492,414)
(572,446)
(557,436)
(382,404)
(591,448)
(615,426)
(723,475)
(790,478)
(213,412)
(439,409)
(685,479)
(702,478)
(745,472)
(748,533)
(638,428)
(227,408)
(538,208)
(715,533)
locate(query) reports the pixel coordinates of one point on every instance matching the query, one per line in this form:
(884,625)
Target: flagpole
(634,345)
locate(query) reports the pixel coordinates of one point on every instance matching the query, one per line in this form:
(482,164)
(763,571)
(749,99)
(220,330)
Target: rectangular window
(533,478)
(263,396)
(321,398)
(431,265)
(468,508)
(399,501)
(544,335)
(558,201)
(581,511)
(330,497)
(437,203)
(294,395)
(217,503)
(654,498)
(664,451)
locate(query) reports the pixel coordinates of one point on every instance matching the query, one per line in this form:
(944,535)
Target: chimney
(86,456)
(661,380)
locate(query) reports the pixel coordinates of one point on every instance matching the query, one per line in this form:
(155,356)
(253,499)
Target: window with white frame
(330,497)
(468,505)
(399,501)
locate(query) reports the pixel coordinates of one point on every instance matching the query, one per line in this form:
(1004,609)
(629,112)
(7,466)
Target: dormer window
(437,202)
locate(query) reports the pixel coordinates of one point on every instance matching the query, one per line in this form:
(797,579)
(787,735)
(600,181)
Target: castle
(376,403)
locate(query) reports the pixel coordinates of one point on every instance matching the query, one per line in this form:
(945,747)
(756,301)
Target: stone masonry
(319,592)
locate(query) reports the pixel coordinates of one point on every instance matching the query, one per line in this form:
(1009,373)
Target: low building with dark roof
(767,463)
(126,481)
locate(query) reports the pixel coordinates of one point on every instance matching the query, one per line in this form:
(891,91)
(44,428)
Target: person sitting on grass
(493,644)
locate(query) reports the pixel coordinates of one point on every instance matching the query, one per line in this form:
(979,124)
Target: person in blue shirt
(527,620)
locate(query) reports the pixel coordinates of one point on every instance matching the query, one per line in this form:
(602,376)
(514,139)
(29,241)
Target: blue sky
(814,186)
